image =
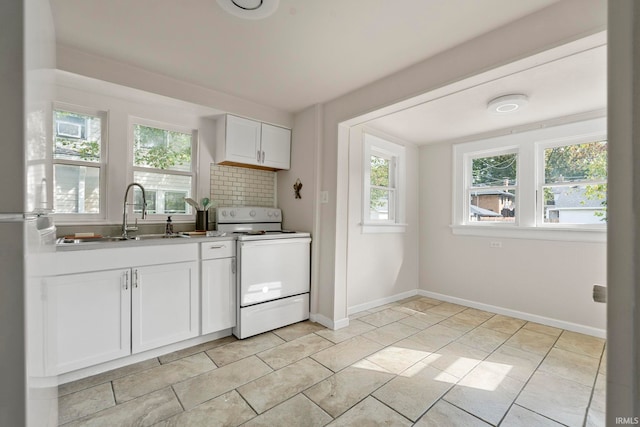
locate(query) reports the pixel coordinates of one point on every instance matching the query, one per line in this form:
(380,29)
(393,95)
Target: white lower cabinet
(164,305)
(218,286)
(100,316)
(87,319)
(218,295)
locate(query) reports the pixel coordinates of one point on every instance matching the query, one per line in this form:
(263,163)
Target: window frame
(385,147)
(469,188)
(176,217)
(530,144)
(102,165)
(540,148)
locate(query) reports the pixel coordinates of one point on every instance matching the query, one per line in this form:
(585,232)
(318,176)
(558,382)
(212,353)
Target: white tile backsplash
(235,186)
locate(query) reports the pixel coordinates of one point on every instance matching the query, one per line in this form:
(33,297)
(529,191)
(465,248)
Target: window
(78,162)
(492,188)
(546,183)
(383,179)
(163,163)
(574,188)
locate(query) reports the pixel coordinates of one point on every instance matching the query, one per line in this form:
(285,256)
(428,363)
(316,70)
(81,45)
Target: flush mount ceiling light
(249,9)
(507,104)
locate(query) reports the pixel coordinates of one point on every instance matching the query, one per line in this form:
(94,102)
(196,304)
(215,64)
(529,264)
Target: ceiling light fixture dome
(507,103)
(249,9)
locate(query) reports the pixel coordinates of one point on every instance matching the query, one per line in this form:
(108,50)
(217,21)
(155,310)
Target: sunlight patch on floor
(486,376)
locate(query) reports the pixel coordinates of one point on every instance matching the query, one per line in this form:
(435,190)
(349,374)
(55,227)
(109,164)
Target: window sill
(569,234)
(383,228)
(160,219)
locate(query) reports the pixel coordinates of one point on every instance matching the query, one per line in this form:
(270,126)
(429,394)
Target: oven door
(273,269)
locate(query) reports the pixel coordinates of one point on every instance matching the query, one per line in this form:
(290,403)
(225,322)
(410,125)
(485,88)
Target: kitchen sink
(107,239)
(158,236)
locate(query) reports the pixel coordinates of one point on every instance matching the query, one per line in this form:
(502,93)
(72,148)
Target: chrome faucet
(126,228)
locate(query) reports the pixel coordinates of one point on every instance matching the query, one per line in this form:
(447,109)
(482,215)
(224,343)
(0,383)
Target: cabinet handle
(233,266)
(126,281)
(263,157)
(218,247)
(258,159)
(136,279)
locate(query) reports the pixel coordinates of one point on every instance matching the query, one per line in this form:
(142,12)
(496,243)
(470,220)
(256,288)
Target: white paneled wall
(234,186)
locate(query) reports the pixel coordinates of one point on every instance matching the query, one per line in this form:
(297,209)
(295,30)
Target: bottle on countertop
(168,231)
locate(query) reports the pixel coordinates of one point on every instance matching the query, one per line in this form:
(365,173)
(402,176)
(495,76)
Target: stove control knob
(252,213)
(223,212)
(269,214)
(276,214)
(232,213)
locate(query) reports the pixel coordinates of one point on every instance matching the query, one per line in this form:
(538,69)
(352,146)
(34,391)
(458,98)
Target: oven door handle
(269,242)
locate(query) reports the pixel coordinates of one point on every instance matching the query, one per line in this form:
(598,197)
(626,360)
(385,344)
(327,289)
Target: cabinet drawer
(219,249)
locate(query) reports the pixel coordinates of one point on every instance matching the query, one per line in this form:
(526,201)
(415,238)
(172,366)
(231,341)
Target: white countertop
(98,244)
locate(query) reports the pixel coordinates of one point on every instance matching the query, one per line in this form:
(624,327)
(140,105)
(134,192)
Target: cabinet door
(218,294)
(165,305)
(276,146)
(87,319)
(242,140)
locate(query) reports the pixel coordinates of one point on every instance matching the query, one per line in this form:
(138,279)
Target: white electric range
(274,269)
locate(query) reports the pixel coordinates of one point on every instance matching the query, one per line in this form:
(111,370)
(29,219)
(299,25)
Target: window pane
(174,202)
(150,197)
(77,136)
(76,189)
(161,149)
(578,204)
(382,204)
(492,205)
(578,162)
(494,170)
(380,168)
(164,191)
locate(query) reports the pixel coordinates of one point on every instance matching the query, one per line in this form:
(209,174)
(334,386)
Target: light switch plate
(324,196)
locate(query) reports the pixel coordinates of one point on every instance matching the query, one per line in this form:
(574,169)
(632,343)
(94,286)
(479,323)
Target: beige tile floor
(418,362)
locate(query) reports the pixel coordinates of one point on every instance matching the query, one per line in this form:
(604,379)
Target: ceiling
(307,52)
(569,86)
(312,51)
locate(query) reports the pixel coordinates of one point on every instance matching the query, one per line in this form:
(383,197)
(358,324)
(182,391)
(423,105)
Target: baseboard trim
(139,357)
(382,301)
(328,323)
(569,326)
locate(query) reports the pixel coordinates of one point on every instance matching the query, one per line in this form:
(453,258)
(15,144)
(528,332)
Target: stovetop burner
(254,223)
(262,232)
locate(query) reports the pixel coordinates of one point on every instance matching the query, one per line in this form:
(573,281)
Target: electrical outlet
(495,244)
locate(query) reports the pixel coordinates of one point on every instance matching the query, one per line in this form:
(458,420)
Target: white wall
(107,70)
(548,281)
(556,25)
(380,266)
(123,103)
(299,213)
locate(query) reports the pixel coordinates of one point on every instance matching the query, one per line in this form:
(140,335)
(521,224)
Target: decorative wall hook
(297,187)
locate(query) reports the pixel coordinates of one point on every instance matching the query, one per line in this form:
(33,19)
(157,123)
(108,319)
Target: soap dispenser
(168,231)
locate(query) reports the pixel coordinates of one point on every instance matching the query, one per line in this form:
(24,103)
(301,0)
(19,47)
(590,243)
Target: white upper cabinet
(242,140)
(276,147)
(254,144)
